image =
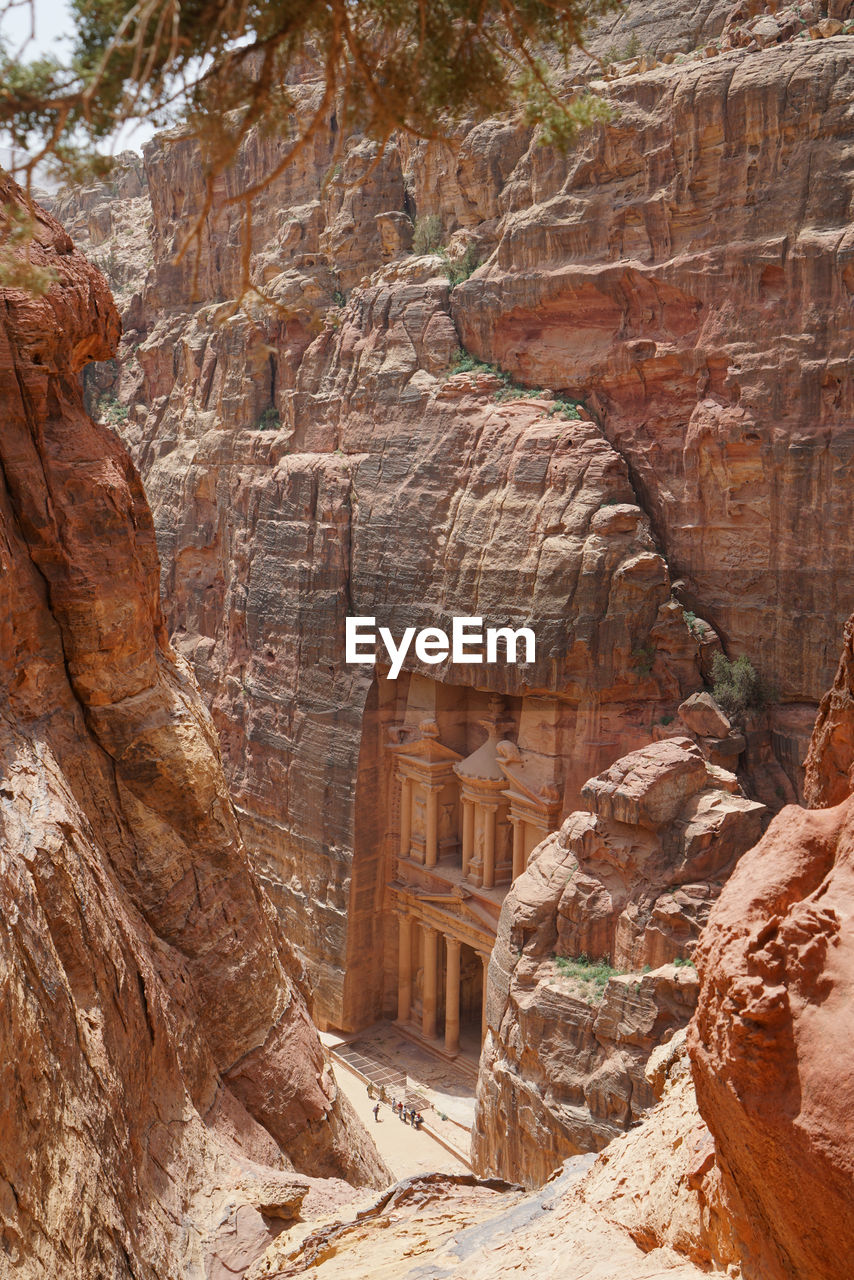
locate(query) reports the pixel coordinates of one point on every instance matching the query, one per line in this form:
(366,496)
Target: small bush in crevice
(593,975)
(562,406)
(111,410)
(427,237)
(737,687)
(644,658)
(269,420)
(459,269)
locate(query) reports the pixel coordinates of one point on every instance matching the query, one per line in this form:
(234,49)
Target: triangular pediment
(530,782)
(425,751)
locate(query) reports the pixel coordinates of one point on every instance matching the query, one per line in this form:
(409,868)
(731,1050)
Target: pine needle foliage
(221,68)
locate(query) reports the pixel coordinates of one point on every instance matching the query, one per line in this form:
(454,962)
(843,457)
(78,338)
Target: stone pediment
(529,779)
(482,765)
(427,751)
(457,903)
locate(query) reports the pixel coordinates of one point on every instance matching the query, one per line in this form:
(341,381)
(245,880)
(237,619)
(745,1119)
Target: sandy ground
(443,1090)
(405,1150)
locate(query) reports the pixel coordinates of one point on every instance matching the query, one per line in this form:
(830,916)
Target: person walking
(377,1112)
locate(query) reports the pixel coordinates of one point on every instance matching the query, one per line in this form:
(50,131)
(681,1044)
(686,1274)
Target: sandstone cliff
(830,759)
(769,1042)
(769,1046)
(682,273)
(155,1049)
(627,886)
(685,273)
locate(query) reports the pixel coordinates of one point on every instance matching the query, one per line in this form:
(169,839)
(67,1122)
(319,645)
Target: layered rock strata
(682,271)
(830,759)
(397,492)
(626,886)
(768,1043)
(687,272)
(154,1042)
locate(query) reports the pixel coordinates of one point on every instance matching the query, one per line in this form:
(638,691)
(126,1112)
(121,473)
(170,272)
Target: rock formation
(155,1047)
(662,431)
(769,1046)
(313,453)
(686,273)
(769,1041)
(830,759)
(533,513)
(629,885)
(649,1207)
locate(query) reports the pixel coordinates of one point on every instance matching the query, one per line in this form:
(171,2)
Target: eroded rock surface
(683,272)
(830,759)
(155,1048)
(768,1042)
(649,1207)
(769,1045)
(394,491)
(629,885)
(688,272)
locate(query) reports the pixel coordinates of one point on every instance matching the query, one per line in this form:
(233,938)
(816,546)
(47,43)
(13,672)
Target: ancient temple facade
(456,786)
(468,804)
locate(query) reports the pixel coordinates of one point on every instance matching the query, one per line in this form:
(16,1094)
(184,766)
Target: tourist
(377,1112)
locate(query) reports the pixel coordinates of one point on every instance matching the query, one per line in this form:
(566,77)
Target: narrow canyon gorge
(603,394)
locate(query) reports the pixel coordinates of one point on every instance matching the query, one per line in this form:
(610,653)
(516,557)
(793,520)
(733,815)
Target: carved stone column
(468,834)
(518,847)
(431,854)
(405,816)
(452,996)
(489,812)
(404,967)
(431,981)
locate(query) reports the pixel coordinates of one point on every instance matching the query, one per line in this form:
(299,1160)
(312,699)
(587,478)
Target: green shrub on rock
(737,686)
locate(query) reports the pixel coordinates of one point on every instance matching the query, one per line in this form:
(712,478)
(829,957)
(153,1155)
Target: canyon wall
(684,273)
(687,1192)
(386,488)
(769,1042)
(769,1045)
(681,272)
(157,1052)
(688,274)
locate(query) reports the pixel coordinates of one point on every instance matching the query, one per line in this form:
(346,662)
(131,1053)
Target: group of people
(407,1114)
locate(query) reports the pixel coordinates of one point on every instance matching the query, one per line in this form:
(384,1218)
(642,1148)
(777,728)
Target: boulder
(702,715)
